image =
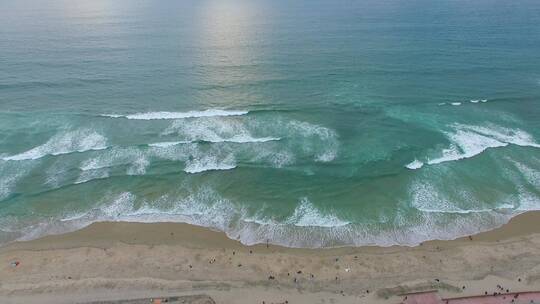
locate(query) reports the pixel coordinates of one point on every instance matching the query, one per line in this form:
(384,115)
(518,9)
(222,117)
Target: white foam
(474,100)
(98,167)
(277,159)
(246,139)
(415,164)
(307,215)
(87,176)
(484,100)
(81,140)
(112,208)
(428,198)
(308,140)
(73,216)
(120,206)
(7,183)
(198,168)
(527,200)
(168,143)
(307,227)
(465,144)
(92,164)
(10,174)
(138,166)
(425,197)
(178,115)
(506,135)
(525,177)
(114,157)
(111,115)
(469,140)
(203,207)
(57,173)
(215,130)
(209,163)
(314,137)
(532,176)
(456,103)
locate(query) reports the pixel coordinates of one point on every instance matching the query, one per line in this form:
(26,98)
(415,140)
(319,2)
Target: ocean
(301,123)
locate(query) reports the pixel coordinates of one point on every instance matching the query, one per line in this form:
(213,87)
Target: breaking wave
(428,198)
(307,215)
(209,163)
(467,141)
(168,143)
(136,160)
(81,140)
(415,164)
(234,139)
(436,213)
(177,115)
(459,103)
(305,227)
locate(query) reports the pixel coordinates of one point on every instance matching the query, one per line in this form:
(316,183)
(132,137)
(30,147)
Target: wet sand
(108,261)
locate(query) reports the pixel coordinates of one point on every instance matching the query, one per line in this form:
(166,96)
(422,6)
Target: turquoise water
(304,123)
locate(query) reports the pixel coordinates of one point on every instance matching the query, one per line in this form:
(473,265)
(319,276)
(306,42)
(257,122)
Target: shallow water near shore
(306,124)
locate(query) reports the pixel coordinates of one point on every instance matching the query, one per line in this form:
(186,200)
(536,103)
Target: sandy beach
(108,261)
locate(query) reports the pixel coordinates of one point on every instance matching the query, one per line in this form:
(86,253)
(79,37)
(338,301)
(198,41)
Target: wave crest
(80,140)
(307,215)
(177,115)
(467,141)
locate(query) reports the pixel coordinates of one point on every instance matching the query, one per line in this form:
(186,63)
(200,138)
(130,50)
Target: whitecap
(456,103)
(307,215)
(215,131)
(426,197)
(178,115)
(507,135)
(311,140)
(240,139)
(111,115)
(415,164)
(209,163)
(81,140)
(474,100)
(469,140)
(326,156)
(465,144)
(168,143)
(198,168)
(113,157)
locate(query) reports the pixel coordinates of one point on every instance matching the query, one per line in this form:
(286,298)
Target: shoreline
(520,224)
(114,260)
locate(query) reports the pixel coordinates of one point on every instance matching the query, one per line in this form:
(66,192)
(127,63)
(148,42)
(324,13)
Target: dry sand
(108,261)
